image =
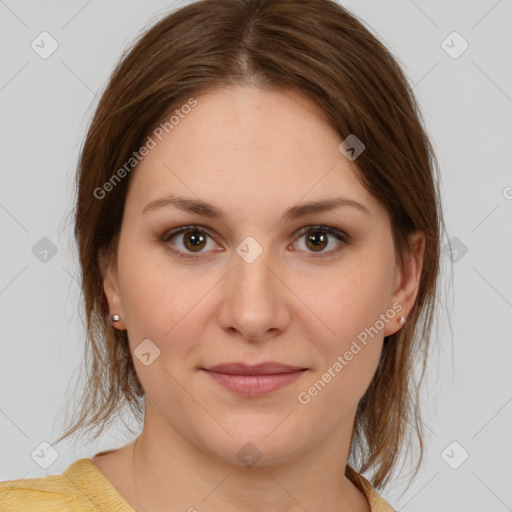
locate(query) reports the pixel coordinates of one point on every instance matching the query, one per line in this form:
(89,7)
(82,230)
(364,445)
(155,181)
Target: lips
(270,368)
(254,380)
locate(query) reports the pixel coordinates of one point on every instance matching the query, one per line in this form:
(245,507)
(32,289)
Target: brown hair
(315,47)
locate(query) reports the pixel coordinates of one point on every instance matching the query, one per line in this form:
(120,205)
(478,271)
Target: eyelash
(322,228)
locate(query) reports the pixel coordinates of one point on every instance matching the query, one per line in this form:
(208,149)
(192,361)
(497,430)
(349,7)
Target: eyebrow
(208,210)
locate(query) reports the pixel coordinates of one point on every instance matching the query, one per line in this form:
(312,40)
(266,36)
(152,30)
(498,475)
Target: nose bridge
(253,301)
(251,272)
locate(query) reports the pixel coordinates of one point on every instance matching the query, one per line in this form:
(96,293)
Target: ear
(108,270)
(407,281)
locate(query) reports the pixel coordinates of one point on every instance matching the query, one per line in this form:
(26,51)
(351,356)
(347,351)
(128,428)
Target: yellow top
(84,488)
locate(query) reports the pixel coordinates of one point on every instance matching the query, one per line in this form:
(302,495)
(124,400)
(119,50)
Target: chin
(255,443)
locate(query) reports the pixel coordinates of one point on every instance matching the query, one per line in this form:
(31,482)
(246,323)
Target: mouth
(255,380)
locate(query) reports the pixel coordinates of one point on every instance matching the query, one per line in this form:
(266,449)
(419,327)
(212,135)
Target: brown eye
(194,240)
(318,238)
(317,241)
(188,241)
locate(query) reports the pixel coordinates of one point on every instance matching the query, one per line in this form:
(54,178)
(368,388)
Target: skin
(253,154)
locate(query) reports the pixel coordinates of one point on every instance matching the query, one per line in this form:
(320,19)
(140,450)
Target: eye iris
(318,238)
(197,239)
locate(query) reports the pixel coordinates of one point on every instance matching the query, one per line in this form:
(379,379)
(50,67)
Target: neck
(167,469)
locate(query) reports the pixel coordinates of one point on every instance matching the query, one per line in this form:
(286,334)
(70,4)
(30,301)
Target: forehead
(243,146)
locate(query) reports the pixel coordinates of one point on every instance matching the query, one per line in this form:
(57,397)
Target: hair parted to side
(317,48)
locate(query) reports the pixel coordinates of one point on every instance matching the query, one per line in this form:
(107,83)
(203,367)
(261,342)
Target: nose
(254,299)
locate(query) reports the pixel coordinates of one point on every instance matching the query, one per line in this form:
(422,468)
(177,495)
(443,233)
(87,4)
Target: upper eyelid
(181,229)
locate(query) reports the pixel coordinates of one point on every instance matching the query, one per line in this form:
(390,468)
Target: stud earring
(116,318)
(403,319)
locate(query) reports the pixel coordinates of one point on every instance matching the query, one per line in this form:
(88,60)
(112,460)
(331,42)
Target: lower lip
(255,385)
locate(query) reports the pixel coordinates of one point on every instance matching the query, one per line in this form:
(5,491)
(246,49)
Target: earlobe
(111,289)
(407,282)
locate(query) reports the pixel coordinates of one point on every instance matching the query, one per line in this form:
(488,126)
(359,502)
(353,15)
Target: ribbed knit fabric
(84,488)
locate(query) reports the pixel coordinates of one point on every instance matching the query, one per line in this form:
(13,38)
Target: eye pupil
(318,239)
(196,238)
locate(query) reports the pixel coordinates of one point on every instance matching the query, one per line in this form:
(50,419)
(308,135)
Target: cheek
(155,294)
(350,298)
(348,339)
(170,307)
(349,349)
(161,305)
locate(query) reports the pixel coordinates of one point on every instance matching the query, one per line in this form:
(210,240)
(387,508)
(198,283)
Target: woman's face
(251,284)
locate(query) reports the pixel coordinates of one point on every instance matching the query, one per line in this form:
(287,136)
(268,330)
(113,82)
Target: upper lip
(267,368)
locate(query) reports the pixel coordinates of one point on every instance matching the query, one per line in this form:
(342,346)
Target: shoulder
(50,492)
(80,488)
(376,501)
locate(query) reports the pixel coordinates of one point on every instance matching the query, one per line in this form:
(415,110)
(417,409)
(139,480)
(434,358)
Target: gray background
(467,104)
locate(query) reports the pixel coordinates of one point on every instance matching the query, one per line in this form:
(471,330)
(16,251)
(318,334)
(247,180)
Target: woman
(258,226)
